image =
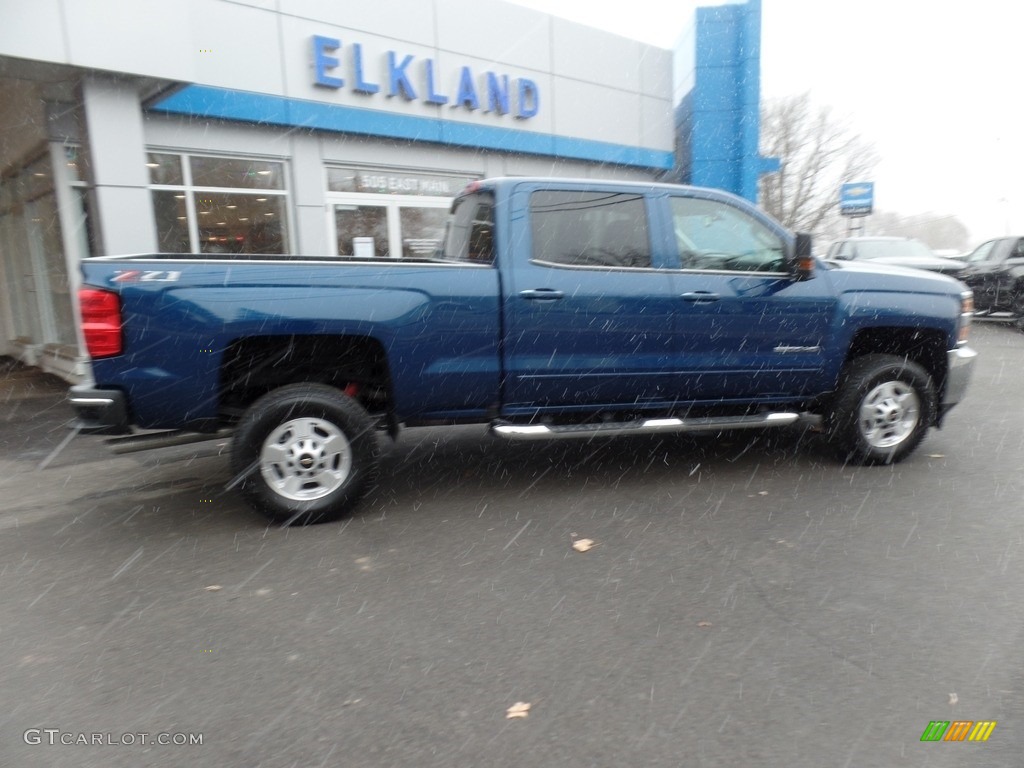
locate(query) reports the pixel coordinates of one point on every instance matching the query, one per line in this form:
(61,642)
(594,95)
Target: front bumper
(99,410)
(960,366)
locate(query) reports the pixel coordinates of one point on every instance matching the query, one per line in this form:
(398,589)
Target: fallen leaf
(582,545)
(519,709)
(214,588)
(705,624)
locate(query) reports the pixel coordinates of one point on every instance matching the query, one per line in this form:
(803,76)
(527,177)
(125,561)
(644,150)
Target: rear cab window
(469,233)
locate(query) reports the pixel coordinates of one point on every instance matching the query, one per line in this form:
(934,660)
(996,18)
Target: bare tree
(818,153)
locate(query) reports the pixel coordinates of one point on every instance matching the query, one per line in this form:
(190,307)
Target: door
(387,226)
(362,230)
(588,311)
(744,328)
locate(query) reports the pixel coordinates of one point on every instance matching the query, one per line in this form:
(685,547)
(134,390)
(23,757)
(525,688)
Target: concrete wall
(123,208)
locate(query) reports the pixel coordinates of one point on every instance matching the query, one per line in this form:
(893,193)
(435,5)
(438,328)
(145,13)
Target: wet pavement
(749,601)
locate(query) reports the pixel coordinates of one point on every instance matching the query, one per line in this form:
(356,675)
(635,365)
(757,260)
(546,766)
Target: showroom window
(206,204)
(389,213)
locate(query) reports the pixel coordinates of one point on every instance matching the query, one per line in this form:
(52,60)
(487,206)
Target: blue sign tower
(717,92)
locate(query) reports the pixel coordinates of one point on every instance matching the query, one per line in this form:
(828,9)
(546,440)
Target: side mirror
(801,262)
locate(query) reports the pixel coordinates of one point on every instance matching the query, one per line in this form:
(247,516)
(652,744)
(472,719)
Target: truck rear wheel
(305,453)
(884,407)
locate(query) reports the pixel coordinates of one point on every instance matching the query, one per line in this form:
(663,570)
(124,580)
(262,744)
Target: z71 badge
(143,276)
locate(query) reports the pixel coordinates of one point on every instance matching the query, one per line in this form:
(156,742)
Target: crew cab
(555,309)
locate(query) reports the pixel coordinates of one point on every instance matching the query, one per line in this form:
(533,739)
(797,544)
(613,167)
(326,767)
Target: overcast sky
(933,85)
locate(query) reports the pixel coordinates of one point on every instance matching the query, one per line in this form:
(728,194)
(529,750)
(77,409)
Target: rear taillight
(101,322)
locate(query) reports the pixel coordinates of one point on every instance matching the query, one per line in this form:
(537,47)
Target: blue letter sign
(433,97)
(362,85)
(467,91)
(500,94)
(497,93)
(322,62)
(399,78)
(529,99)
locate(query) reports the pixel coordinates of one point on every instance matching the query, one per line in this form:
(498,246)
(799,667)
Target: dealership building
(323,128)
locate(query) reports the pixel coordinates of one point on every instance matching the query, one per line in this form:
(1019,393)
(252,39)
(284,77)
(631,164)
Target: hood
(875,273)
(929,263)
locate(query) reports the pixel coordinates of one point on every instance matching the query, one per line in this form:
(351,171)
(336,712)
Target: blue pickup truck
(555,308)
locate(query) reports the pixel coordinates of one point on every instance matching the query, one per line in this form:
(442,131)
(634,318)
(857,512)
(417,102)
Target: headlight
(966,316)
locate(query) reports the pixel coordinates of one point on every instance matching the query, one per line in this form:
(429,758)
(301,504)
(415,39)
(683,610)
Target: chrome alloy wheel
(889,414)
(305,459)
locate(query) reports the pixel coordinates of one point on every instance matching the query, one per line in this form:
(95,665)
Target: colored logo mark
(958,730)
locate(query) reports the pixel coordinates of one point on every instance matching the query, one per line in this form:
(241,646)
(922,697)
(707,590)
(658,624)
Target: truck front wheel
(304,454)
(882,410)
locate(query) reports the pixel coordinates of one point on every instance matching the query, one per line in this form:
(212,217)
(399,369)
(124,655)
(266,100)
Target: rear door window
(590,229)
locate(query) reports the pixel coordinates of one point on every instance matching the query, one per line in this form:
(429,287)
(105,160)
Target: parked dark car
(995,270)
(896,251)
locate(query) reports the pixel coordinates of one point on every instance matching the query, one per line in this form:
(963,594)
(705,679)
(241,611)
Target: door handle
(542,294)
(700,297)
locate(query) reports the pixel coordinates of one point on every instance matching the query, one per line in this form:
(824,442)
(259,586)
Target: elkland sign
(412,80)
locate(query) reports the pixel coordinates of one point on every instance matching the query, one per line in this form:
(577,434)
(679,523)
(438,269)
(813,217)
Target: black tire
(882,410)
(305,454)
(1018,306)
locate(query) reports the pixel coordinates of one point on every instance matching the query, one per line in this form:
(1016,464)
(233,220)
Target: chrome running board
(164,439)
(641,427)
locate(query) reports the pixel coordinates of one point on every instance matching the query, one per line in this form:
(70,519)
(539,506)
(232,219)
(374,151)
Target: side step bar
(642,427)
(167,439)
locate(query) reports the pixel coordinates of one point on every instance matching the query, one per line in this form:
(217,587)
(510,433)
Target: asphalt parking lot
(747,600)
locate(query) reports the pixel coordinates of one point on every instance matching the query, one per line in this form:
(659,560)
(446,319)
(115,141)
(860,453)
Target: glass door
(422,229)
(387,226)
(361,231)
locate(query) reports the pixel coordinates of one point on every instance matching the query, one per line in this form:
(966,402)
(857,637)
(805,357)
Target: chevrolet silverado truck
(554,309)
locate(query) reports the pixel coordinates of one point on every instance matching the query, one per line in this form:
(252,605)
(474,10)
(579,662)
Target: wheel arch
(254,366)
(924,346)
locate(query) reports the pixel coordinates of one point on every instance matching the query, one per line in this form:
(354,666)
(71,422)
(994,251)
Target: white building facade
(310,127)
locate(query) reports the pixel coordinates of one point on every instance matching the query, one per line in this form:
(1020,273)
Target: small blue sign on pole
(857,198)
